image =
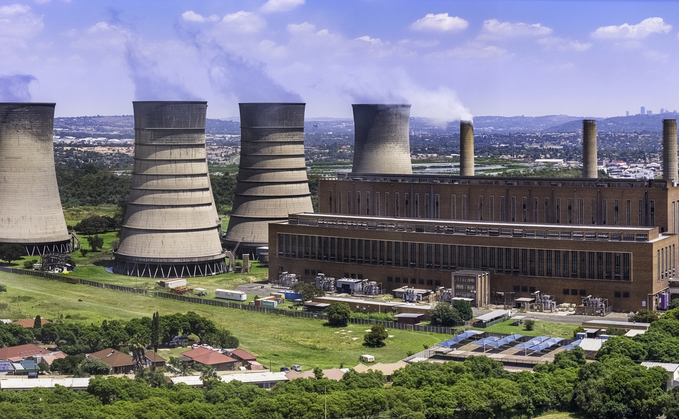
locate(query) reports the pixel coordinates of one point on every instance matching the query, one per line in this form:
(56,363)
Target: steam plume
(14,88)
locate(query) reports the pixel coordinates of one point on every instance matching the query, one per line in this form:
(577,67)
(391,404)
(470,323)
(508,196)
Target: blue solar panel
(505,340)
(486,341)
(6,366)
(546,344)
(531,342)
(459,338)
(572,345)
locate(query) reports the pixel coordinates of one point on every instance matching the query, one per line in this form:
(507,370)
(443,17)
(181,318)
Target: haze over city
(448,59)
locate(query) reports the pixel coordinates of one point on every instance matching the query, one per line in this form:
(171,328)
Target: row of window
(515,261)
(552,212)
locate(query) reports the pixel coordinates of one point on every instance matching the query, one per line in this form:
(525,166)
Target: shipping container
(231,295)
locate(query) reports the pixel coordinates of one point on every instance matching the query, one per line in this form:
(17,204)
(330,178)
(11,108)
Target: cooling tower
(171,226)
(381,139)
(272,180)
(30,207)
(466,148)
(669,137)
(589,153)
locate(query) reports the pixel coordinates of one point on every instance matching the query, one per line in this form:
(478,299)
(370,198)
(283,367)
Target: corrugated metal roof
(668,366)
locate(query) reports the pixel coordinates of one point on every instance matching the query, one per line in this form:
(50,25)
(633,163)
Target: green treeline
(477,388)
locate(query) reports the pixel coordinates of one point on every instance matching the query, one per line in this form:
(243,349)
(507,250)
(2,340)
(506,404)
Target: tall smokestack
(272,179)
(381,139)
(171,226)
(30,207)
(589,152)
(466,148)
(669,143)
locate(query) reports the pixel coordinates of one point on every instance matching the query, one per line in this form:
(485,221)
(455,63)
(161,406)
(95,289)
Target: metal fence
(227,304)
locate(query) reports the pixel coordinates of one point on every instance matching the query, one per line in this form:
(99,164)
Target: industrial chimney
(589,152)
(669,137)
(466,148)
(381,139)
(30,207)
(272,181)
(171,226)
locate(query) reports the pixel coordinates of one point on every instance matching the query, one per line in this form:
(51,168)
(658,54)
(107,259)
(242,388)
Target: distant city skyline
(449,59)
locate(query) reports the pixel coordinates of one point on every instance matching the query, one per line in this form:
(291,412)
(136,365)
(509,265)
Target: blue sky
(449,59)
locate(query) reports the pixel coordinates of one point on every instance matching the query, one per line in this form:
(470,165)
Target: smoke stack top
(589,149)
(466,148)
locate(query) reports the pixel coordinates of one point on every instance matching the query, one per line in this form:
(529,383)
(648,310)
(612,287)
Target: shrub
(529,324)
(338,314)
(376,337)
(444,314)
(464,309)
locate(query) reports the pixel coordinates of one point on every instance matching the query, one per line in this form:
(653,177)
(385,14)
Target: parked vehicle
(178,341)
(285,369)
(296,368)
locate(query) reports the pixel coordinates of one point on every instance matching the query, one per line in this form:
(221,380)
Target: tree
(673,304)
(444,314)
(224,339)
(155,377)
(464,309)
(376,337)
(645,316)
(37,323)
(3,288)
(92,366)
(181,366)
(95,242)
(11,252)
(94,225)
(209,376)
(318,373)
(529,324)
(155,331)
(338,313)
(308,291)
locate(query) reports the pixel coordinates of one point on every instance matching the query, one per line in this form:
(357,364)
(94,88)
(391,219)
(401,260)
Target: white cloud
(494,29)
(471,51)
(191,16)
(553,43)
(305,27)
(271,48)
(440,23)
(273,6)
(639,31)
(243,22)
(369,40)
(18,21)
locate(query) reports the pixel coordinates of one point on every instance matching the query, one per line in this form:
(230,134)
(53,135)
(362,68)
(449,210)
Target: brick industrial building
(609,238)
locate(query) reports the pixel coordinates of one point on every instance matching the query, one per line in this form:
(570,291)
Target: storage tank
(381,139)
(171,226)
(30,207)
(272,180)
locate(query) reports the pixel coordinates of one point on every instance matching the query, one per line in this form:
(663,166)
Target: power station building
(272,180)
(570,238)
(30,207)
(171,226)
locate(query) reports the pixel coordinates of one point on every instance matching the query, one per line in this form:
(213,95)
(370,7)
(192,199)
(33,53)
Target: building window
(592,210)
(330,208)
(616,213)
(531,290)
(628,212)
(367,203)
(517,288)
(524,288)
(546,211)
(600,265)
(581,211)
(590,265)
(641,213)
(524,215)
(535,210)
(512,209)
(604,210)
(464,207)
(480,208)
(386,205)
(503,209)
(417,205)
(557,211)
(570,211)
(616,294)
(532,262)
(583,293)
(652,214)
(574,292)
(377,203)
(437,206)
(566,291)
(491,208)
(557,263)
(625,294)
(397,204)
(358,203)
(541,263)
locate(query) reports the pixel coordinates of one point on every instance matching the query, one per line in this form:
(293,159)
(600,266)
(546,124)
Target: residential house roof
(242,355)
(51,357)
(331,374)
(213,358)
(22,351)
(386,369)
(153,357)
(113,358)
(28,323)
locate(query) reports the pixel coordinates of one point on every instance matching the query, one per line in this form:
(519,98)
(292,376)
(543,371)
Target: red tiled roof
(192,353)
(50,358)
(213,358)
(28,323)
(113,358)
(22,351)
(242,355)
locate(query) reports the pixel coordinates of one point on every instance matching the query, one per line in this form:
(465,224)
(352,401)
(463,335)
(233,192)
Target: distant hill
(632,123)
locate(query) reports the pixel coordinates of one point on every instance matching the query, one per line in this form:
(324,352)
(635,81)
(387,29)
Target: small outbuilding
(409,318)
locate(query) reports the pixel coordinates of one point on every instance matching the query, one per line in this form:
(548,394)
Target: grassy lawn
(285,340)
(541,328)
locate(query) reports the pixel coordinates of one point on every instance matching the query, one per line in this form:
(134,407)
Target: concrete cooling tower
(30,207)
(272,179)
(171,226)
(381,139)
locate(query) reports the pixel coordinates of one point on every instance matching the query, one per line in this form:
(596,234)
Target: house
(24,384)
(120,363)
(26,367)
(386,369)
(261,379)
(18,353)
(207,356)
(335,374)
(243,358)
(673,369)
(28,323)
(153,359)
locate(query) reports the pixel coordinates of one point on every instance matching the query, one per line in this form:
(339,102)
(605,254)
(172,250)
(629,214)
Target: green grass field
(541,328)
(285,340)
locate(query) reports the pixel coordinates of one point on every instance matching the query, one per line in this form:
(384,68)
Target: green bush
(338,314)
(529,324)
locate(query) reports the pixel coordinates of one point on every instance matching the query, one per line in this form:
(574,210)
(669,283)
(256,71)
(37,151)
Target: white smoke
(15,87)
